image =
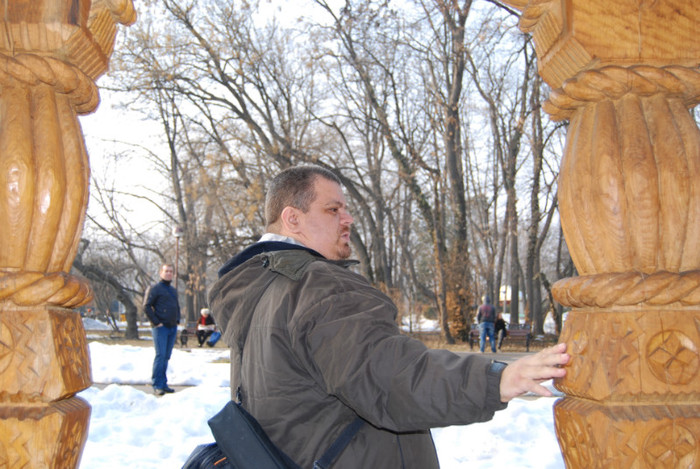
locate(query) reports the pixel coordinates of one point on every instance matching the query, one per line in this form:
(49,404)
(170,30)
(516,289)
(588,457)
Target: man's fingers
(547,364)
(541,390)
(555,355)
(541,372)
(550,373)
(527,373)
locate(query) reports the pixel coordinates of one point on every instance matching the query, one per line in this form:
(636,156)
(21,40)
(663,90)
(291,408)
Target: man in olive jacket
(314,345)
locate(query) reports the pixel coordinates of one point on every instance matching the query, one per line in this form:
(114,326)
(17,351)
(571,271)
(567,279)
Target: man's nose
(347,219)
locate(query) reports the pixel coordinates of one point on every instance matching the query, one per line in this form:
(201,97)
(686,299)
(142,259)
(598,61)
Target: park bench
(516,335)
(190,330)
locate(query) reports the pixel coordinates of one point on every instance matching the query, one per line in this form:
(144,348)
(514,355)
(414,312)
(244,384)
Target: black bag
(241,443)
(243,440)
(207,456)
(246,445)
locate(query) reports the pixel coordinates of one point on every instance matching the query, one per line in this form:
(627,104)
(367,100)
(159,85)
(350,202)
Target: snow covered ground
(135,429)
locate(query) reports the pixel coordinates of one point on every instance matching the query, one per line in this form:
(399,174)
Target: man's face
(325,228)
(166,273)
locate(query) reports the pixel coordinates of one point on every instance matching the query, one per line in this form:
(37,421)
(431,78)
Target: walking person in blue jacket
(162,308)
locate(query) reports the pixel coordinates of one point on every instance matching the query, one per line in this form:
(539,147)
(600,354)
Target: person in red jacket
(205,326)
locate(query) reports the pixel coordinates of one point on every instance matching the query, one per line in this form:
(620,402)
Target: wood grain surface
(51,53)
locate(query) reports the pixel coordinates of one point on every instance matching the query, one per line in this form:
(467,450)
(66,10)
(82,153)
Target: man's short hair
(294,187)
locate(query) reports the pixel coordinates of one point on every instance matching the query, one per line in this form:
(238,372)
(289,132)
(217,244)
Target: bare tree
(424,114)
(507,118)
(113,280)
(352,25)
(542,189)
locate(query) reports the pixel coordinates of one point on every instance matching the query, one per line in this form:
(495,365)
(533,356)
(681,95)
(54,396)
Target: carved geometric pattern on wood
(73,431)
(29,362)
(573,436)
(44,435)
(14,448)
(71,347)
(602,436)
(36,288)
(629,288)
(579,346)
(44,354)
(7,347)
(4,457)
(612,82)
(624,356)
(605,356)
(671,445)
(673,357)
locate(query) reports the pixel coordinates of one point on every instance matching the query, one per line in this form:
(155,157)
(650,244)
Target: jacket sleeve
(354,347)
(148,305)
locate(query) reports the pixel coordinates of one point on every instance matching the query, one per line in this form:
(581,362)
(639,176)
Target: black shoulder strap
(337,447)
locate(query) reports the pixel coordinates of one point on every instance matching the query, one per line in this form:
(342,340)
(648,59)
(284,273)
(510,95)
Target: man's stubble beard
(344,248)
(344,251)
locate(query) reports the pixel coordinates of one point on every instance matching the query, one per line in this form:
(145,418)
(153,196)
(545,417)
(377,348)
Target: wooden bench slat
(514,335)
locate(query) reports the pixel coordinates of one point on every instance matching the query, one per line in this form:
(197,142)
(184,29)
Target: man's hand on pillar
(526,374)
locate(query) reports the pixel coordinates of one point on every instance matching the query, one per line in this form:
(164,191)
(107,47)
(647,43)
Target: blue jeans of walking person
(484,329)
(163,340)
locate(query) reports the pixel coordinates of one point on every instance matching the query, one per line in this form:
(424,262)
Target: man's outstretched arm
(526,374)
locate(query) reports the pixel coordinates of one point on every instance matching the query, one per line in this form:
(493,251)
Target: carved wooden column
(625,73)
(51,53)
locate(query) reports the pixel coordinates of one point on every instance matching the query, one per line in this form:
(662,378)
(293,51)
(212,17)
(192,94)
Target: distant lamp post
(177,232)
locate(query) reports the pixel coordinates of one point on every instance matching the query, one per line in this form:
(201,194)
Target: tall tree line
(428,111)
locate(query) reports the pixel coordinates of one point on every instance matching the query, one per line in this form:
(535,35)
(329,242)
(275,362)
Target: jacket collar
(259,248)
(271,247)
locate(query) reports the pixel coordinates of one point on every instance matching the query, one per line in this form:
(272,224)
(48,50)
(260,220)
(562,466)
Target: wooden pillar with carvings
(51,53)
(625,73)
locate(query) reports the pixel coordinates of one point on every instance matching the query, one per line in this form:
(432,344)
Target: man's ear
(290,219)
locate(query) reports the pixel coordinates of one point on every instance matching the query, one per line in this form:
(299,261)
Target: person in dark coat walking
(487,318)
(163,310)
(501,330)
